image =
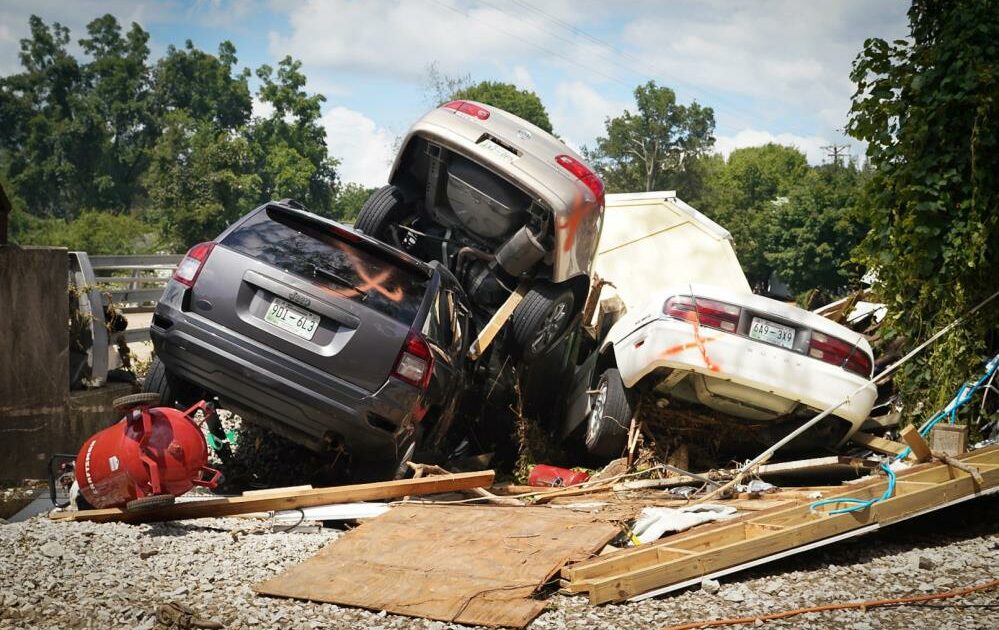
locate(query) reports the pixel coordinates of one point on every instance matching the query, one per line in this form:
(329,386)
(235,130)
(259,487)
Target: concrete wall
(34,351)
(34,334)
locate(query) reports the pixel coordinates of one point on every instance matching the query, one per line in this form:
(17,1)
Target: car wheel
(540,319)
(172,390)
(610,416)
(383,208)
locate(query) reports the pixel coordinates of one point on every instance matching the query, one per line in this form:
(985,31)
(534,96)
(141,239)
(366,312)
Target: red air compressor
(149,457)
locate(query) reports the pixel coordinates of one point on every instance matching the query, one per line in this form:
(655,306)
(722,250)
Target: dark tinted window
(311,250)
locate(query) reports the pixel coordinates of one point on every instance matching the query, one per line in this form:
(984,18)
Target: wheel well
(580,287)
(606,359)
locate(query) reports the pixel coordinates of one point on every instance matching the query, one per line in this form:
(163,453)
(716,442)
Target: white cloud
(400,39)
(521,77)
(261,109)
(811,146)
(579,111)
(793,57)
(363,148)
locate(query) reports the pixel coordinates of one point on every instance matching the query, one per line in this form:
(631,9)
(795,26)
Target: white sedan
(737,353)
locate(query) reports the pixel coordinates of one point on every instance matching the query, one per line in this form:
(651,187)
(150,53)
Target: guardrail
(134,283)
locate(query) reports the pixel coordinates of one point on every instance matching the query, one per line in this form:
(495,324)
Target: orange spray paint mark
(714,367)
(572,222)
(373,283)
(700,343)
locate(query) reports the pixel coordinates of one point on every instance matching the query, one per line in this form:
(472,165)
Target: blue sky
(773,70)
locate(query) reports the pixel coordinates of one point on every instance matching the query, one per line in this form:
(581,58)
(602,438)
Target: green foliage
(928,107)
(200,179)
(348,202)
(171,143)
(747,195)
(655,147)
(290,144)
(506,96)
(810,233)
(94,232)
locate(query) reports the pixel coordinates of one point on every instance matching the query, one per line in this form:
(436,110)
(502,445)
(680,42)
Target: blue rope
(962,398)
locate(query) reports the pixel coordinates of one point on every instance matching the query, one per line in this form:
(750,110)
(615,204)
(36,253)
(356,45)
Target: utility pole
(837,151)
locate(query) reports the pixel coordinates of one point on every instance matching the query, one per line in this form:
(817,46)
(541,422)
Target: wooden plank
(920,449)
(878,444)
(289,500)
(817,466)
(625,574)
(286,491)
(472,565)
(495,323)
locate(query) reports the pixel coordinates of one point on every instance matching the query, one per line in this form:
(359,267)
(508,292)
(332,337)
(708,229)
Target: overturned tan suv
(502,203)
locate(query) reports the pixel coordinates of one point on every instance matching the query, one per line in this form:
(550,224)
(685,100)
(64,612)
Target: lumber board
(475,565)
(817,467)
(878,444)
(495,323)
(920,449)
(626,574)
(291,499)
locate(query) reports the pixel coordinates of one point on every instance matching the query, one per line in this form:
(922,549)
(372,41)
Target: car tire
(383,208)
(171,389)
(150,502)
(124,403)
(610,416)
(540,319)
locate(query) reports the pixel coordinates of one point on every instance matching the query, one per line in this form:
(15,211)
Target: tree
(204,86)
(810,234)
(41,138)
(290,145)
(747,194)
(349,199)
(928,108)
(116,99)
(652,148)
(507,97)
(200,179)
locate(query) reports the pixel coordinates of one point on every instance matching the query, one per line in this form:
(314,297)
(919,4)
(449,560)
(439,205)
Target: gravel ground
(84,575)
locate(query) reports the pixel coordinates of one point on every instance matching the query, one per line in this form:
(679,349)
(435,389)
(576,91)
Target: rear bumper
(672,344)
(306,405)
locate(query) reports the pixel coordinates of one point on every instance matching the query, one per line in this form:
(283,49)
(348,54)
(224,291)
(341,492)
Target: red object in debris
(151,451)
(553,476)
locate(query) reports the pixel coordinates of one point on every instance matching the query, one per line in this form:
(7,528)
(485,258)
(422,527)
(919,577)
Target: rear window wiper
(335,277)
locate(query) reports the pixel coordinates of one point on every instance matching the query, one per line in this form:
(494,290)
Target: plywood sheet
(477,565)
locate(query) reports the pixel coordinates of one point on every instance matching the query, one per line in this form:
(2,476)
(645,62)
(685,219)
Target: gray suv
(326,336)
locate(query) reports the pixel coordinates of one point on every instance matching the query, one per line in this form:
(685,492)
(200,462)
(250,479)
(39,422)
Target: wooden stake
(495,323)
(920,449)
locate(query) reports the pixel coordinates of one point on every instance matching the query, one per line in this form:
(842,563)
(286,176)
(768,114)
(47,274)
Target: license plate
(777,334)
(501,152)
(295,320)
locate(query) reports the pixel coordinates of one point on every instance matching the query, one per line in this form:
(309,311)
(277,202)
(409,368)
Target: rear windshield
(310,250)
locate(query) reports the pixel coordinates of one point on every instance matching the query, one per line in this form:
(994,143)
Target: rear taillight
(709,313)
(583,174)
(470,109)
(187,271)
(838,352)
(415,362)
